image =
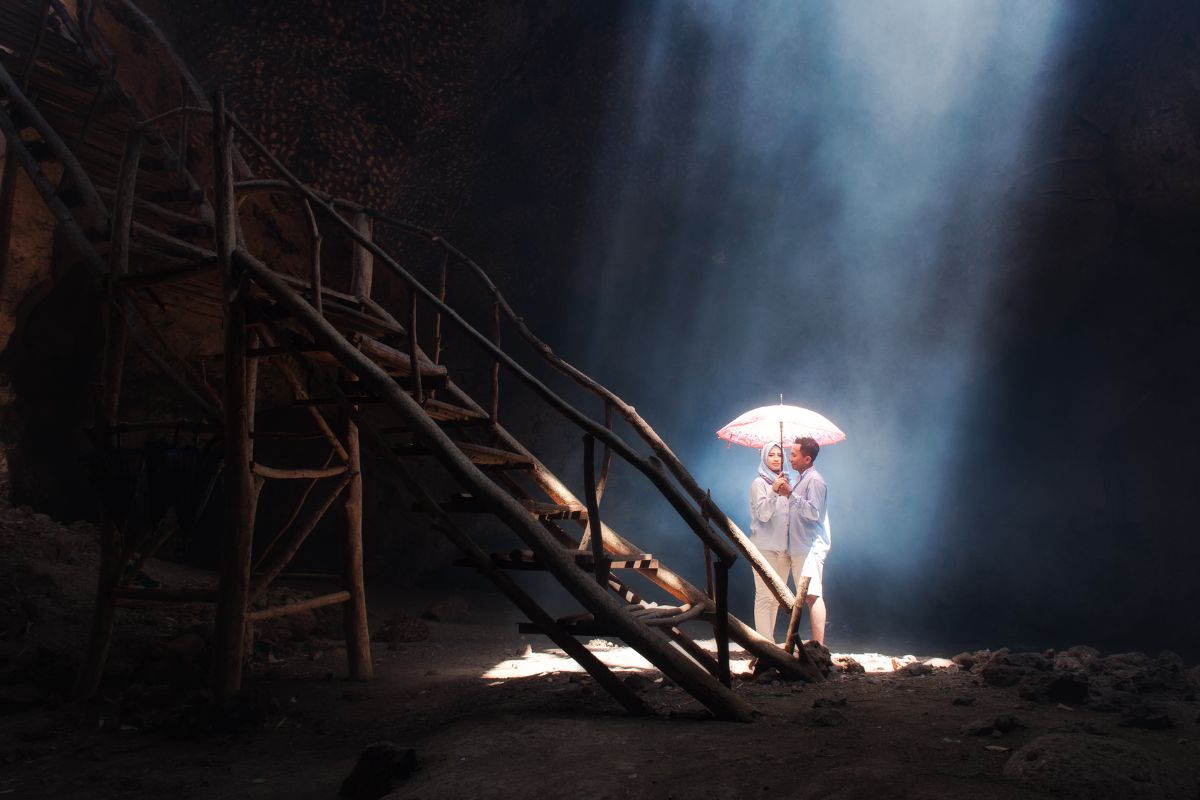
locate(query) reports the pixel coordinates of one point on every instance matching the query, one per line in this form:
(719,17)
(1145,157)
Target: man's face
(800,462)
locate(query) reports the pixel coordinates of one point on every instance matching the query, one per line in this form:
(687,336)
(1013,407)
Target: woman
(769,532)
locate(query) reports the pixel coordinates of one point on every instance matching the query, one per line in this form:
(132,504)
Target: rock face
(1093,767)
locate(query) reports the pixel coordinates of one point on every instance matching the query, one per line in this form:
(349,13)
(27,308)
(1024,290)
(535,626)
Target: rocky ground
(488,713)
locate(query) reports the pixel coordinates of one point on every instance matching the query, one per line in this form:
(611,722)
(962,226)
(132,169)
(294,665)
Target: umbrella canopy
(780,423)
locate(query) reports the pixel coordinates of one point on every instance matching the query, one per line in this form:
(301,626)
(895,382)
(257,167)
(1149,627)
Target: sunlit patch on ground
(619,658)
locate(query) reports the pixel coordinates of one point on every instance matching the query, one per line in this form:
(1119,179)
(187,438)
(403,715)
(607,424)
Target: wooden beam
(236,544)
(295,608)
(358,637)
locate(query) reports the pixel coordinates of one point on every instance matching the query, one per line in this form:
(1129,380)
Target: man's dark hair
(809,447)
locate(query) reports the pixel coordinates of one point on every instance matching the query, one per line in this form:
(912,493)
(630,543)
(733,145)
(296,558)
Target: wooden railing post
(721,628)
(362,275)
(414,350)
(596,537)
(437,320)
(495,407)
(233,594)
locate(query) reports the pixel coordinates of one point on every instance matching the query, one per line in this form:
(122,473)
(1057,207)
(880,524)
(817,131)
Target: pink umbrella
(780,423)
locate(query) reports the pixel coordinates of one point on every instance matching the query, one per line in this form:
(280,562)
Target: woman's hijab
(765,472)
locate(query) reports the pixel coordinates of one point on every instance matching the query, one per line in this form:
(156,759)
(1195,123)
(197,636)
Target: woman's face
(774,459)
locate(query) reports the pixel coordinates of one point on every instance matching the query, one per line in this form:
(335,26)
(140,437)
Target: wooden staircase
(154,237)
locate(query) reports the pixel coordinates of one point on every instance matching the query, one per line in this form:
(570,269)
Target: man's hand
(781,486)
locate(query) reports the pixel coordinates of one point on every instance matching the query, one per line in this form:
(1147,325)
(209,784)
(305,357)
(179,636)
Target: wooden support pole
(599,562)
(358,636)
(414,350)
(606,458)
(314,258)
(495,409)
(794,623)
(437,320)
(362,274)
(231,617)
(287,525)
(721,629)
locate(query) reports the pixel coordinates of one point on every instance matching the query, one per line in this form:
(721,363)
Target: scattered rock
(400,628)
(767,675)
(829,702)
(987,726)
(1084,766)
(963,701)
(379,768)
(940,663)
(847,665)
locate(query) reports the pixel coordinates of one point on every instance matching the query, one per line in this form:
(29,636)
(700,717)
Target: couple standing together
(790,526)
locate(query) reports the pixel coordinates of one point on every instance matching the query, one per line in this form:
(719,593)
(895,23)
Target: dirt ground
(491,713)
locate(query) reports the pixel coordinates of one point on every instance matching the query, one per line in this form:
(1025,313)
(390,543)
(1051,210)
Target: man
(808,520)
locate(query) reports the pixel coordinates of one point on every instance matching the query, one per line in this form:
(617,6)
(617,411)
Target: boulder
(379,768)
(1079,765)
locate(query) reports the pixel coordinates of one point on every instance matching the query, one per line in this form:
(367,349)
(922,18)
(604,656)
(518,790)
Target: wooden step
(585,624)
(465,503)
(484,457)
(525,560)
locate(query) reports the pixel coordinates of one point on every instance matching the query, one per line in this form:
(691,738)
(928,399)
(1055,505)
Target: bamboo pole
(693,679)
(354,613)
(231,618)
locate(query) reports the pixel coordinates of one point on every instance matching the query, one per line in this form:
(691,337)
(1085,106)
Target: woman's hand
(781,486)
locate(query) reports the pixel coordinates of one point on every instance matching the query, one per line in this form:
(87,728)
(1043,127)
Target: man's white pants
(765,604)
